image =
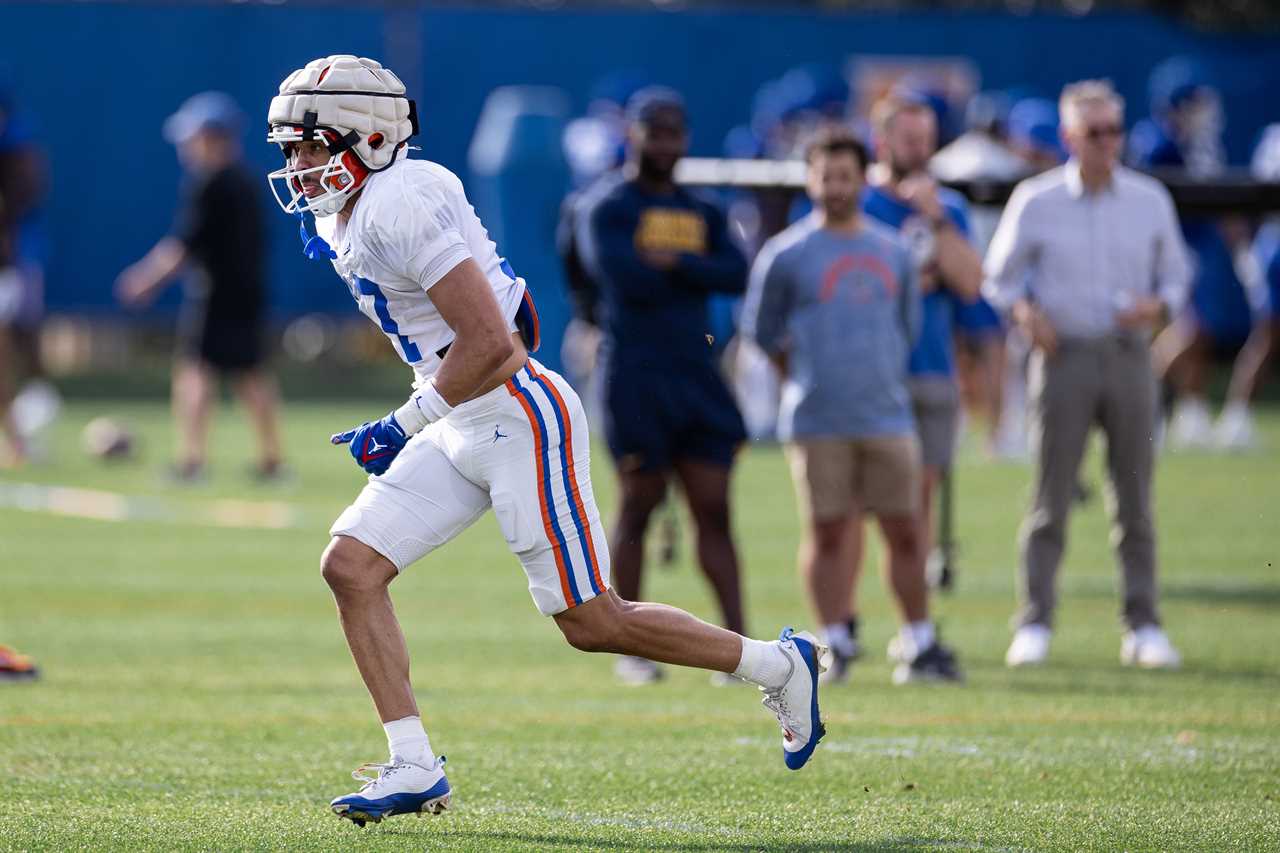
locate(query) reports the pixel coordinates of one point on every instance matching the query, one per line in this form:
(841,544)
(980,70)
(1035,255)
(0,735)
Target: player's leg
(708,433)
(936,406)
(1127,417)
(640,492)
(540,483)
(192,403)
(12,453)
(257,391)
(1063,392)
(706,488)
(1235,426)
(1181,355)
(890,472)
(830,553)
(419,504)
(359,578)
(638,435)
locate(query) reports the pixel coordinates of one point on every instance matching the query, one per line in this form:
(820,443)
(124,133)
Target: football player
(486,426)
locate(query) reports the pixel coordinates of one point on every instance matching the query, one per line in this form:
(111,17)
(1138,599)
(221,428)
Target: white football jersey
(411,225)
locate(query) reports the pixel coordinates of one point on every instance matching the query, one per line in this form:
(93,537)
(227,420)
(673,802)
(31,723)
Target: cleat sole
(436,806)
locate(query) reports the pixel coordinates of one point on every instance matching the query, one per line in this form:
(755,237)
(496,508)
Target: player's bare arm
(484,354)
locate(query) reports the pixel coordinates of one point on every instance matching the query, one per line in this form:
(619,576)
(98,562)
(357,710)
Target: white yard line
(100,505)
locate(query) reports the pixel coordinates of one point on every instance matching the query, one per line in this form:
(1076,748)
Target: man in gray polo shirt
(1088,258)
(834,301)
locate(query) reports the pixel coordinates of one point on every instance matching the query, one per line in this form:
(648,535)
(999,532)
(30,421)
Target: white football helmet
(360,112)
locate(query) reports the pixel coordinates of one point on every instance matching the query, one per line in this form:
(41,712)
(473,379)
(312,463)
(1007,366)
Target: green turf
(197,693)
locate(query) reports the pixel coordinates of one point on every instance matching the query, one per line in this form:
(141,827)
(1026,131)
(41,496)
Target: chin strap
(313,245)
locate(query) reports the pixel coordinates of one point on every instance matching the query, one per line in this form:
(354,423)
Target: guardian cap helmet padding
(357,108)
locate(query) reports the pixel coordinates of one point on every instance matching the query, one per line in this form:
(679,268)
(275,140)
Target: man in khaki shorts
(834,301)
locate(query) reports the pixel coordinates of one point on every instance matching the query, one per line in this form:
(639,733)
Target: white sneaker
(1030,646)
(1149,647)
(636,671)
(400,788)
(1234,429)
(795,703)
(1191,427)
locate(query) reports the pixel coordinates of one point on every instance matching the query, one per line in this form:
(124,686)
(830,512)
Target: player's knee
(348,566)
(827,538)
(600,632)
(906,538)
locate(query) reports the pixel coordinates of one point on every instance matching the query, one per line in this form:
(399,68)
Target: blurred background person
(834,301)
(657,253)
(933,222)
(27,401)
(1184,132)
(1033,134)
(1261,274)
(219,239)
(1088,258)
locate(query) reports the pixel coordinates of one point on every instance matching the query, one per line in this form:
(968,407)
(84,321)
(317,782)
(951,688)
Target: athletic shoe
(400,788)
(636,671)
(936,663)
(795,703)
(15,666)
(1149,647)
(1234,429)
(1190,427)
(1030,646)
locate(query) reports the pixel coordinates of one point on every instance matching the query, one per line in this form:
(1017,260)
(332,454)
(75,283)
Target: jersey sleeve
(421,238)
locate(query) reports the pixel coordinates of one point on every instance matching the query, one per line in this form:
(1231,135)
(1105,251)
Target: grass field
(197,693)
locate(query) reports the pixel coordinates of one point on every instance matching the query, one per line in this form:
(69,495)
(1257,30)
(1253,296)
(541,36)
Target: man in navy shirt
(934,223)
(658,253)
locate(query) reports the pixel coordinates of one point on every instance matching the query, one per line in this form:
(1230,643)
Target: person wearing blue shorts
(659,253)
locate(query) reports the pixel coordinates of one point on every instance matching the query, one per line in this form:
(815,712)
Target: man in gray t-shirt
(834,302)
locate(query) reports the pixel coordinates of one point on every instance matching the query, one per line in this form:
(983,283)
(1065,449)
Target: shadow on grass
(1260,594)
(1251,595)
(574,841)
(1113,680)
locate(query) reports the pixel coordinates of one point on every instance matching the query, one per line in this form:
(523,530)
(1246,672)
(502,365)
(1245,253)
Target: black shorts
(228,341)
(656,416)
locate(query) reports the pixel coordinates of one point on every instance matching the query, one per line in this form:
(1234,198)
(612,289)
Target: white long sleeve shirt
(1083,257)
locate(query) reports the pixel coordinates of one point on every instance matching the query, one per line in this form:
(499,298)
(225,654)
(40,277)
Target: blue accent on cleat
(796,760)
(355,806)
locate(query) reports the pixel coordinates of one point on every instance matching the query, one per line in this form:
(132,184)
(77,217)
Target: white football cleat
(795,703)
(1030,646)
(400,788)
(1149,647)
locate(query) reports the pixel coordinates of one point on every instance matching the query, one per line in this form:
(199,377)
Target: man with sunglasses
(1087,259)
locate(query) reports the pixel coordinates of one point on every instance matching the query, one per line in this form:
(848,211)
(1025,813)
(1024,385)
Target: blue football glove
(374,445)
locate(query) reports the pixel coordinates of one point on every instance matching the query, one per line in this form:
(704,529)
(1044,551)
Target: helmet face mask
(339,178)
(357,109)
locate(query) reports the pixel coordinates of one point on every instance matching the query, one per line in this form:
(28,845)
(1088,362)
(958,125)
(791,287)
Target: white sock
(408,741)
(838,637)
(1235,409)
(763,663)
(918,635)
